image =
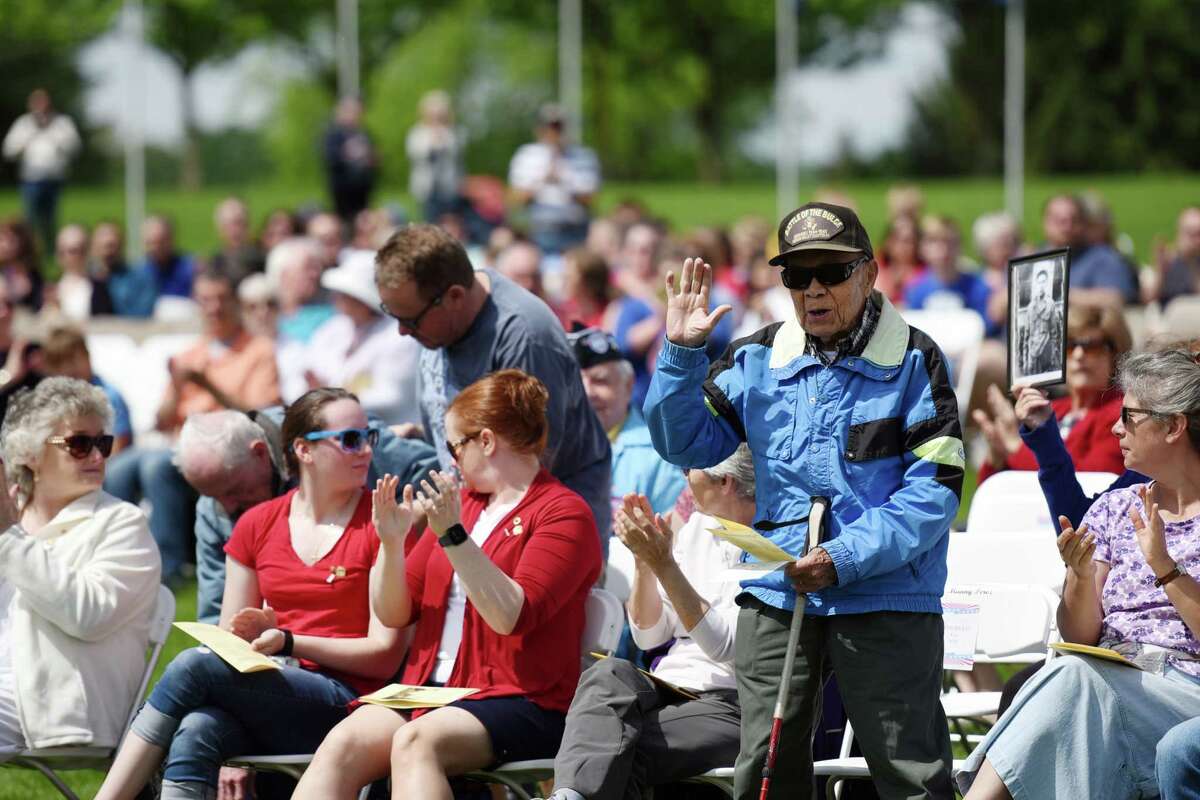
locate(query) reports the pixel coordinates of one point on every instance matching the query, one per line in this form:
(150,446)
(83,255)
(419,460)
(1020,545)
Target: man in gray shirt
(474,323)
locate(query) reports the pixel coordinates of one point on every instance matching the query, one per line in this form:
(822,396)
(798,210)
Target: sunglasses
(1127,420)
(79,446)
(1090,346)
(413,323)
(453,447)
(800,278)
(351,440)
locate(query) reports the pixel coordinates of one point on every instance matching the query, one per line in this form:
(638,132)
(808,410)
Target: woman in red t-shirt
(1096,340)
(495,591)
(297,585)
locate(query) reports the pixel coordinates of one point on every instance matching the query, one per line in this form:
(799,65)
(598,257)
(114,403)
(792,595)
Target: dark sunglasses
(453,447)
(1126,420)
(1091,346)
(413,323)
(79,445)
(350,439)
(799,278)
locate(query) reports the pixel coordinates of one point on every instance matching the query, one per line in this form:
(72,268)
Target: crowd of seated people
(297,308)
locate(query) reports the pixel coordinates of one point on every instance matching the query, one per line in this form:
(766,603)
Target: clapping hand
(1000,429)
(440,502)
(392,519)
(251,623)
(1150,532)
(1076,548)
(646,534)
(688,320)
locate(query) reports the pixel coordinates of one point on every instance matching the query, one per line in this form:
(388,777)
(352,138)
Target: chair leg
(51,776)
(506,782)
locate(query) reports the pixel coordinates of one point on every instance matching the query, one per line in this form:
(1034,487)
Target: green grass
(1145,206)
(23,784)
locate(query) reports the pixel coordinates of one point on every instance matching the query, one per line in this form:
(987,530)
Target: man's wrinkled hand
(812,573)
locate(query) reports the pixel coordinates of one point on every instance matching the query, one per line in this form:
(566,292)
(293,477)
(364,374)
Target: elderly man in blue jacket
(848,402)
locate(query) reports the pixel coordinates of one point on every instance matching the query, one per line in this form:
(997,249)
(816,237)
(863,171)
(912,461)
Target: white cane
(816,525)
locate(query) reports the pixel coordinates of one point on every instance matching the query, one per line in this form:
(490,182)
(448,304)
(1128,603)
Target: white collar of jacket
(880,359)
(77,511)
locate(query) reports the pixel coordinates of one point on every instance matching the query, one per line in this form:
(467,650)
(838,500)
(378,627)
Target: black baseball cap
(821,226)
(593,346)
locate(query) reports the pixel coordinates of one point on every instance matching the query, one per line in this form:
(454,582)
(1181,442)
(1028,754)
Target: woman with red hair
(495,592)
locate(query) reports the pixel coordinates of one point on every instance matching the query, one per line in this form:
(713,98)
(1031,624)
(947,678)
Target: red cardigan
(1090,442)
(555,559)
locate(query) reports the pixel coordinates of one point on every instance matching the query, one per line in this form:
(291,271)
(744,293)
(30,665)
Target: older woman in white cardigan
(79,575)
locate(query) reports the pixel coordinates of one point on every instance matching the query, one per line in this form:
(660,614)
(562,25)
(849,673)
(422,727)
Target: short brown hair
(303,417)
(593,273)
(425,254)
(1109,320)
(510,403)
(61,345)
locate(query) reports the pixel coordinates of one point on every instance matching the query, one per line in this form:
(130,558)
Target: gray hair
(990,227)
(225,435)
(33,415)
(1166,382)
(285,254)
(740,467)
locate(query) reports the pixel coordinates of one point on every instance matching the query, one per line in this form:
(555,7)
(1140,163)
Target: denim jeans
(40,199)
(1177,762)
(203,712)
(139,473)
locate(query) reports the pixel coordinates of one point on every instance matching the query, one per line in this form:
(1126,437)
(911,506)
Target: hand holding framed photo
(1037,318)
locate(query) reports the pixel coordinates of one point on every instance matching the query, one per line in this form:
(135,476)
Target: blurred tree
(39,40)
(1109,86)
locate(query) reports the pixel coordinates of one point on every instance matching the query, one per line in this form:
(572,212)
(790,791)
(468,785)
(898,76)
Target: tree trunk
(191,169)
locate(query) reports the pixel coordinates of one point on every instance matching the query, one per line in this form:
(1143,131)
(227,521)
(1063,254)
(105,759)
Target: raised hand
(392,519)
(999,429)
(1150,532)
(688,320)
(1032,407)
(440,502)
(1076,548)
(251,623)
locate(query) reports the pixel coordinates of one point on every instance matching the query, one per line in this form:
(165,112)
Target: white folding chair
(112,355)
(1022,557)
(1012,500)
(52,760)
(146,377)
(618,572)
(959,334)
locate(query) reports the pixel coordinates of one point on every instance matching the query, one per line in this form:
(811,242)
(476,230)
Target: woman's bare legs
(132,769)
(448,741)
(352,755)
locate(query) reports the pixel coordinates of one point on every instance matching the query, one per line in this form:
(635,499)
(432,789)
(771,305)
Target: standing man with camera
(848,402)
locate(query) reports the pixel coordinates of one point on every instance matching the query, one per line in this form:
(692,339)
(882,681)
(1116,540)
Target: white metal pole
(570,65)
(347,48)
(1014,109)
(134,103)
(787,146)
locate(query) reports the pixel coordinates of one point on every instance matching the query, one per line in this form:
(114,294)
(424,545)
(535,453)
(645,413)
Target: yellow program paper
(751,541)
(233,650)
(403,696)
(1088,650)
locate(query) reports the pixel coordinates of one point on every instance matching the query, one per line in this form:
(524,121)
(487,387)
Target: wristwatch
(456,534)
(1179,571)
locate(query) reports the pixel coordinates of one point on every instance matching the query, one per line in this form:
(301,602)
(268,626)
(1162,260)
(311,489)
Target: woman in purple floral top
(1088,728)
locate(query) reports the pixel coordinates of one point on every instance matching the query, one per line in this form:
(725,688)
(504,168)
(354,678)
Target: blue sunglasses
(349,439)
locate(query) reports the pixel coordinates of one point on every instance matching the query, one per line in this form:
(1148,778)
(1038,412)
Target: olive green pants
(889,670)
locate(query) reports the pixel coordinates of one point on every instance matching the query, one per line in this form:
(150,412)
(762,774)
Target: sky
(829,102)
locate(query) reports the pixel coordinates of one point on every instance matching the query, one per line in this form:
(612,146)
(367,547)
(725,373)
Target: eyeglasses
(799,278)
(413,323)
(1128,423)
(1091,346)
(79,446)
(351,440)
(453,447)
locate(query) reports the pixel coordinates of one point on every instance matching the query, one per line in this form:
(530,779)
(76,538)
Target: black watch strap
(456,534)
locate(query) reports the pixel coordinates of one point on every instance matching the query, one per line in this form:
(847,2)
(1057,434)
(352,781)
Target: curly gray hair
(1167,382)
(32,417)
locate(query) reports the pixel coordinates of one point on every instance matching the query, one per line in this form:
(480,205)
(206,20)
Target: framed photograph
(1037,318)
